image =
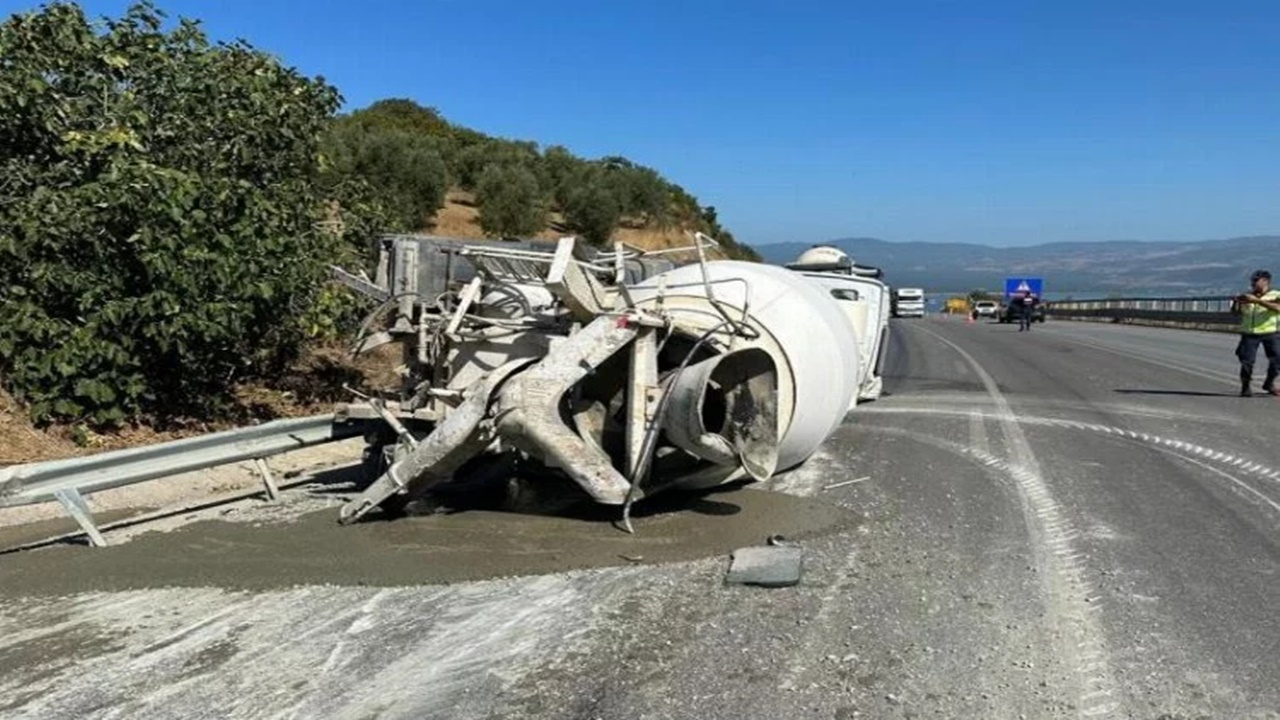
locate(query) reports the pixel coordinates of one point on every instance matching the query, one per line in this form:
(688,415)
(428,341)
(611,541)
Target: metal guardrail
(1211,312)
(69,480)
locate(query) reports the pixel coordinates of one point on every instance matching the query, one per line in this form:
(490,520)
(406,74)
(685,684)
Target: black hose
(649,442)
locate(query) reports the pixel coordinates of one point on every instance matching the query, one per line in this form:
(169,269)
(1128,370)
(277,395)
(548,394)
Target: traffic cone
(968,318)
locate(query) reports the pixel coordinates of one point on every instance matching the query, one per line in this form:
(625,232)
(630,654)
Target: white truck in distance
(908,302)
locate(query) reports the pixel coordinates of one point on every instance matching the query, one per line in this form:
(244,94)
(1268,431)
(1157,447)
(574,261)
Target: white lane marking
(1237,481)
(1045,405)
(1066,588)
(978,431)
(1180,448)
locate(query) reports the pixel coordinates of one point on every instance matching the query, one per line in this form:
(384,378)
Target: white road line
(1183,450)
(978,431)
(1065,587)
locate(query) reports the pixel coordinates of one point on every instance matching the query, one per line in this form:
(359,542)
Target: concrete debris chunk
(766,566)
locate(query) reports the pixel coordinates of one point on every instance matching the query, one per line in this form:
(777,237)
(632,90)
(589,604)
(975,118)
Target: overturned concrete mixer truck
(622,371)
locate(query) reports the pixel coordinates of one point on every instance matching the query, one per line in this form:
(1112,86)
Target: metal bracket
(369,342)
(469,295)
(76,507)
(268,481)
(643,378)
(360,284)
(578,289)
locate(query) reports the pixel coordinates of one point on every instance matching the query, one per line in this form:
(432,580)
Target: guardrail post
(273,493)
(79,510)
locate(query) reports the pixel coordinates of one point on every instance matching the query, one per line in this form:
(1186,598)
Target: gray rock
(769,566)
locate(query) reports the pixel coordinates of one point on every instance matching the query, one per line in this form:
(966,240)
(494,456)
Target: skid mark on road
(1070,595)
(1074,601)
(1199,455)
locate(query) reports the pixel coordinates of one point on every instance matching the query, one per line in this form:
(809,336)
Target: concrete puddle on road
(12,536)
(313,549)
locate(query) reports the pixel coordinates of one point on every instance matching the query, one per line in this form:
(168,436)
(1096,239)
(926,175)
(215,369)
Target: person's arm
(1271,305)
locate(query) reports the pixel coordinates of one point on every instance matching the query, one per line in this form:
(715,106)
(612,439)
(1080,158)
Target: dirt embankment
(460,218)
(312,386)
(21,442)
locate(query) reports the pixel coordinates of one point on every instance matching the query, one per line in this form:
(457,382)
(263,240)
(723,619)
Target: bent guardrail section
(69,480)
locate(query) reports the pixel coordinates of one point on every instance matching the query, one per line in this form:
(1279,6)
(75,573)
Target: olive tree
(511,203)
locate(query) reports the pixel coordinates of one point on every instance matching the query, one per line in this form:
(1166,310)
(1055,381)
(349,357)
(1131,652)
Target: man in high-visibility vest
(1259,313)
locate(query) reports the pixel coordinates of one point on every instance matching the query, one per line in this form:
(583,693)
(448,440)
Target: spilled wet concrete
(469,545)
(13,536)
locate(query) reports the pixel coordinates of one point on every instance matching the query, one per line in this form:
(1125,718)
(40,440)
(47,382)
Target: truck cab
(908,302)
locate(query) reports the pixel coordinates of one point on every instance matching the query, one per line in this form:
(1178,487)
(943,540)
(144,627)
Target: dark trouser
(1024,319)
(1247,351)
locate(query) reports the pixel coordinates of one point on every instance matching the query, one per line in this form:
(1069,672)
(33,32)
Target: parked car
(986,308)
(1009,313)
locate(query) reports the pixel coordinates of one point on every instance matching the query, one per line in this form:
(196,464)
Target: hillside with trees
(169,207)
(432,175)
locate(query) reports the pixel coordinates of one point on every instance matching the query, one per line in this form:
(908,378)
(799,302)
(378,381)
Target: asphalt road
(1079,521)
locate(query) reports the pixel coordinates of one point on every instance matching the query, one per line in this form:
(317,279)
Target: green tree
(158,213)
(404,169)
(561,167)
(511,203)
(473,159)
(591,208)
(641,192)
(405,115)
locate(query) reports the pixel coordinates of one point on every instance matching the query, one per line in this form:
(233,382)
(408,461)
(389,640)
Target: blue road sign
(1014,286)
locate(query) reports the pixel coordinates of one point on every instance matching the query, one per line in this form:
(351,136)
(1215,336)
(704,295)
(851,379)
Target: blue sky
(1006,123)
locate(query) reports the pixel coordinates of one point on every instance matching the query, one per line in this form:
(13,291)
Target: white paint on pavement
(1066,583)
(339,652)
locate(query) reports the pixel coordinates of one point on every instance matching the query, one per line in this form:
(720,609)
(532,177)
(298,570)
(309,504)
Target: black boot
(1245,378)
(1269,385)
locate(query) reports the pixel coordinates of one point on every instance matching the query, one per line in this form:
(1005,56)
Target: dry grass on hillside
(20,442)
(460,218)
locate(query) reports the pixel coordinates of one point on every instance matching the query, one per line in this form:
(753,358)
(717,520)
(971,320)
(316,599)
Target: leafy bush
(158,213)
(511,203)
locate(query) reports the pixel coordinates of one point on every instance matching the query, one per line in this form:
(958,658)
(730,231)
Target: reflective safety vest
(1258,320)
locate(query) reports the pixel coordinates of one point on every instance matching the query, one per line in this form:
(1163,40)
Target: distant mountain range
(1122,268)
